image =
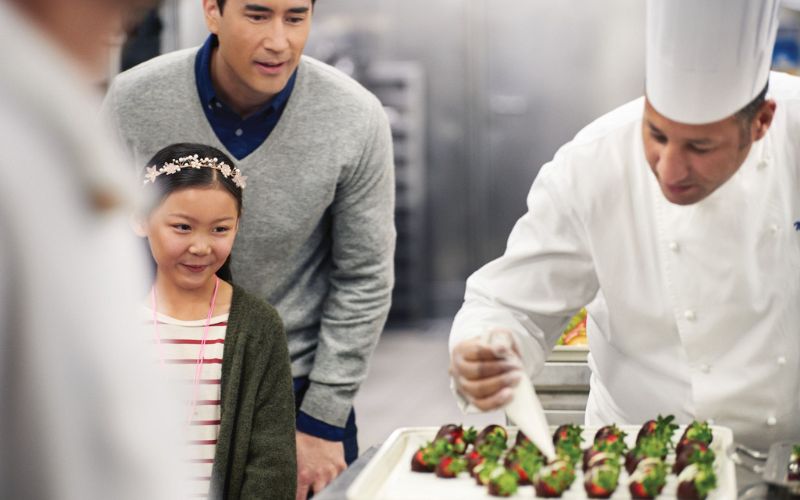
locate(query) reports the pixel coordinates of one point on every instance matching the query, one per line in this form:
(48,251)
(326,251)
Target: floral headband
(196,162)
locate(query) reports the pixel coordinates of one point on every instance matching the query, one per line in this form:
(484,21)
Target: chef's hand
(485,371)
(319,461)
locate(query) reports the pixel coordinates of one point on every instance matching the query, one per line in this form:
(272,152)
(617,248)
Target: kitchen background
(480,94)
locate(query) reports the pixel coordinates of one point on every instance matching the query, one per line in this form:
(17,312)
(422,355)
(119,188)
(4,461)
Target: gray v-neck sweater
(317,234)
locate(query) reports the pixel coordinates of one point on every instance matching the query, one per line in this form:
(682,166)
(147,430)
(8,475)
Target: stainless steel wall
(508,82)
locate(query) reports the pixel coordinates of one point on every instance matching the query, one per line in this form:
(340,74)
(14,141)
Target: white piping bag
(525,409)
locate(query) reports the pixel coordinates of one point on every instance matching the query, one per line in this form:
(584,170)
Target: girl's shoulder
(249,310)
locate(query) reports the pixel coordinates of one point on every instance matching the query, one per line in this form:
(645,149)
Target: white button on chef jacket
(598,230)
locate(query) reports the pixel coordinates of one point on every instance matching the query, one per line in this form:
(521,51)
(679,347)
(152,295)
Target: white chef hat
(707,59)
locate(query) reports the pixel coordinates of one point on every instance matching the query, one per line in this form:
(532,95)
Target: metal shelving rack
(400,87)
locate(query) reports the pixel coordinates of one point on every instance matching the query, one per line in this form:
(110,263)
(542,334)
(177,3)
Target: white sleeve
(544,277)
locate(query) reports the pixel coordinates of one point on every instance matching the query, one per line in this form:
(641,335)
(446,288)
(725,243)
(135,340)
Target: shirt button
(219,104)
(762,164)
(690,315)
(210,107)
(771,421)
(705,368)
(782,360)
(773,228)
(239,132)
(674,246)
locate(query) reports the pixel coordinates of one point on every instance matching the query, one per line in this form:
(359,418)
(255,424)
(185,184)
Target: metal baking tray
(388,476)
(776,471)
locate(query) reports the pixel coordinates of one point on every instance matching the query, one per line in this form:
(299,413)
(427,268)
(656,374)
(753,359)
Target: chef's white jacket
(693,310)
(83,412)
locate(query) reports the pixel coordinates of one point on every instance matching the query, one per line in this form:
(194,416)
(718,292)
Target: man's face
(691,161)
(260,44)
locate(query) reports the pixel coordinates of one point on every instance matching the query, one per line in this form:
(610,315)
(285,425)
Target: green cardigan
(255,456)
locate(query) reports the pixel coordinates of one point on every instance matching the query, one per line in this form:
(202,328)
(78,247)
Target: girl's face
(191,234)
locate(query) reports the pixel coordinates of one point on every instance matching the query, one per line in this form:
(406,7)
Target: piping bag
(524,409)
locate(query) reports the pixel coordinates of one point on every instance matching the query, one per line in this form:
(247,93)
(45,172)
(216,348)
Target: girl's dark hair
(165,184)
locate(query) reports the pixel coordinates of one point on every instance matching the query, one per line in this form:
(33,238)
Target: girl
(224,346)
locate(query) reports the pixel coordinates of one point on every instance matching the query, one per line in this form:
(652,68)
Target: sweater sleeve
(271,470)
(362,276)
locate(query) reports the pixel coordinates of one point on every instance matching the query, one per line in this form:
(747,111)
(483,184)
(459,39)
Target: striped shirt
(179,349)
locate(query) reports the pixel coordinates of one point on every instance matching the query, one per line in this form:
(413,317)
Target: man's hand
(486,371)
(319,461)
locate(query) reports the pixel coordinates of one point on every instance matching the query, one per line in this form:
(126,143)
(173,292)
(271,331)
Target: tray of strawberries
(658,459)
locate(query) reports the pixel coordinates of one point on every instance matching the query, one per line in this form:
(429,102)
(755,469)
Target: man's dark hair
(747,114)
(221,4)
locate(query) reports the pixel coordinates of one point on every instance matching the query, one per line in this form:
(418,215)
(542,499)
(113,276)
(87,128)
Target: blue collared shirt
(240,136)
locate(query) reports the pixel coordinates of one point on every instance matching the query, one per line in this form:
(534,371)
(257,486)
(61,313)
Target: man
(672,218)
(82,416)
(317,234)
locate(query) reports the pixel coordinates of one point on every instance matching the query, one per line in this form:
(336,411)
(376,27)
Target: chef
(675,218)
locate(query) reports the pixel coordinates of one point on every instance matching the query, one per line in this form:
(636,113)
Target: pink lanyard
(200,357)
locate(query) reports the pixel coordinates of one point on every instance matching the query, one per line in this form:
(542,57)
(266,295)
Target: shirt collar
(208,96)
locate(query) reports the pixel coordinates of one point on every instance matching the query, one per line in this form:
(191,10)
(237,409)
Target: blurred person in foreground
(676,218)
(82,416)
(318,238)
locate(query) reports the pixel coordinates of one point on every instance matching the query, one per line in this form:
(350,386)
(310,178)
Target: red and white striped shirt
(179,349)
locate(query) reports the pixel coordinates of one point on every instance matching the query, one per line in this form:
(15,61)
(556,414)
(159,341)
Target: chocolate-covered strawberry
(553,479)
(567,432)
(696,432)
(457,436)
(450,466)
(648,447)
(693,453)
(648,479)
(609,447)
(567,440)
(593,458)
(428,455)
(502,482)
(601,481)
(525,460)
(484,470)
(661,427)
(473,460)
(610,433)
(489,447)
(793,472)
(492,434)
(696,481)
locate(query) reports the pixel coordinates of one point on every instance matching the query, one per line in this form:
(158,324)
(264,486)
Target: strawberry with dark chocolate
(609,447)
(525,460)
(493,434)
(428,455)
(662,427)
(567,432)
(457,436)
(473,460)
(450,466)
(696,481)
(696,432)
(648,479)
(601,481)
(555,478)
(648,447)
(484,470)
(502,482)
(693,453)
(610,433)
